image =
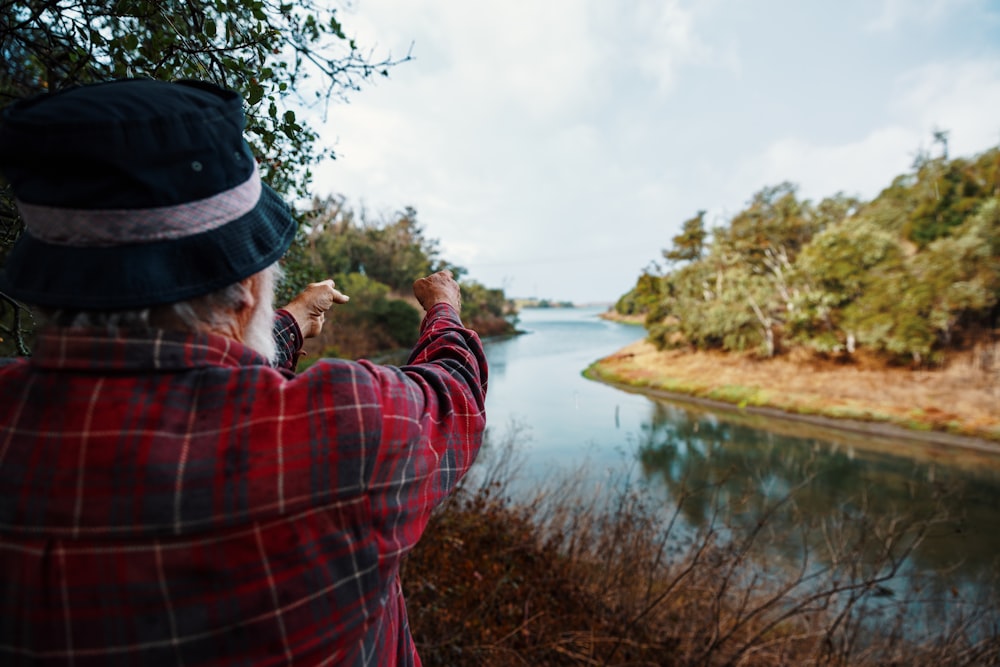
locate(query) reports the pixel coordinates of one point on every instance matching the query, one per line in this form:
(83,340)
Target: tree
(487,310)
(280,55)
(945,194)
(963,273)
(910,275)
(775,220)
(642,298)
(837,268)
(690,243)
(763,242)
(394,252)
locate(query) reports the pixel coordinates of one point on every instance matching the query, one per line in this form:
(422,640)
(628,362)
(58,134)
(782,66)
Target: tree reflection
(707,462)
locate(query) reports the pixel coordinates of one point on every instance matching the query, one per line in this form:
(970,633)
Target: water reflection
(752,469)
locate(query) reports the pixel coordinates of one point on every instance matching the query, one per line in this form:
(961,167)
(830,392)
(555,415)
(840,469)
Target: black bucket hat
(135,193)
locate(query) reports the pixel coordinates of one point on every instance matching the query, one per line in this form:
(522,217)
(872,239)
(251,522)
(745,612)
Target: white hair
(215,312)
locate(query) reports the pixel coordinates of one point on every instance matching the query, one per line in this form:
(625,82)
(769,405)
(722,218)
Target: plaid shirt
(173,500)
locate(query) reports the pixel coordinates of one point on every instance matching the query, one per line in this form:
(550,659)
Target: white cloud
(961,98)
(861,168)
(893,14)
(665,39)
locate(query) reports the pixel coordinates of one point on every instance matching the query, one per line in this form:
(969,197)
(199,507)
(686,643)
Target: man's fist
(438,287)
(309,308)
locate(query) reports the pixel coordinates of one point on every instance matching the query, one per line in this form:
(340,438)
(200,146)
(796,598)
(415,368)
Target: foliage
(375,261)
(836,269)
(690,243)
(643,297)
(372,322)
(280,55)
(946,194)
(911,274)
(399,319)
(487,310)
(394,252)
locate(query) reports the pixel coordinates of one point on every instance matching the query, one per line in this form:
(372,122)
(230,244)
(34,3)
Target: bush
(398,319)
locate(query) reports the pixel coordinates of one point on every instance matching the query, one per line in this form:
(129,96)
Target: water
(564,420)
(536,383)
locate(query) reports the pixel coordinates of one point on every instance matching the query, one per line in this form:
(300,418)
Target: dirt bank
(956,405)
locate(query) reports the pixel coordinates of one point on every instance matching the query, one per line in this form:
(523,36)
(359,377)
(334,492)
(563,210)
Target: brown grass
(963,397)
(574,575)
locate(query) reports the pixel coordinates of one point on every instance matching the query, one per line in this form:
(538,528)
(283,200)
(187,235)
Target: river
(561,421)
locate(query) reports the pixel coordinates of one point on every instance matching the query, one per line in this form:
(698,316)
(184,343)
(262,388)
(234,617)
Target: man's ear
(248,297)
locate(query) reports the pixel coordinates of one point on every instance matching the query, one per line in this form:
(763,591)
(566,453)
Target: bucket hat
(135,193)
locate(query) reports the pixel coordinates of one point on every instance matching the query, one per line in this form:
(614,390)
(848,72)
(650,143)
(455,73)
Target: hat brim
(134,276)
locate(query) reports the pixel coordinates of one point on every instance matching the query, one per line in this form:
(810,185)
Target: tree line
(911,275)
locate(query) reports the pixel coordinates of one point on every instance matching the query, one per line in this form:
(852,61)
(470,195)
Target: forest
(909,277)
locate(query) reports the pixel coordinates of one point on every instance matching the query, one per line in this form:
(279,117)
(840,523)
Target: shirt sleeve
(433,421)
(289,339)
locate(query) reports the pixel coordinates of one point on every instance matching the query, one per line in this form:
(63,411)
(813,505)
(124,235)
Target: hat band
(112,227)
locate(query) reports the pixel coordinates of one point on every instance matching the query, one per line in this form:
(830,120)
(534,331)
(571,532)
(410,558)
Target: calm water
(563,420)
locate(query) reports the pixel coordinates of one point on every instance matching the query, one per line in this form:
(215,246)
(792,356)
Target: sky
(555,147)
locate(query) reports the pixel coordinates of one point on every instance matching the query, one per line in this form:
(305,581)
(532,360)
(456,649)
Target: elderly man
(171,493)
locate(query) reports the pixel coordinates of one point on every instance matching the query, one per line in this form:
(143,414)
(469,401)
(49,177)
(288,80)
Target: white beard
(259,334)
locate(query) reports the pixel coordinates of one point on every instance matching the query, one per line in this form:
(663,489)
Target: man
(170,492)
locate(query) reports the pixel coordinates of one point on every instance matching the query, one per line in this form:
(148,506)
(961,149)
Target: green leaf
(290,117)
(255,94)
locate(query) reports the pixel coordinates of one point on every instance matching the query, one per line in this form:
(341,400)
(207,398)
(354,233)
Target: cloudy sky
(554,147)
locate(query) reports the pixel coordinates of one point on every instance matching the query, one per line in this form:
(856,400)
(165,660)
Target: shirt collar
(130,350)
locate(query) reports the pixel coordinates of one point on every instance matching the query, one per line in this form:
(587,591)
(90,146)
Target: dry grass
(962,398)
(574,575)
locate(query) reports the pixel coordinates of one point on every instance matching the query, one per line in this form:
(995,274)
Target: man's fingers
(324,294)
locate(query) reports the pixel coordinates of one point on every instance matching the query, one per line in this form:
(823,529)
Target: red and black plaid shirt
(171,499)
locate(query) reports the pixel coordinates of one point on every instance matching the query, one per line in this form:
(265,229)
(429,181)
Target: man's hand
(438,287)
(309,308)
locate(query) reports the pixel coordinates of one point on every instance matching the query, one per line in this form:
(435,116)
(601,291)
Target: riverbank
(956,405)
